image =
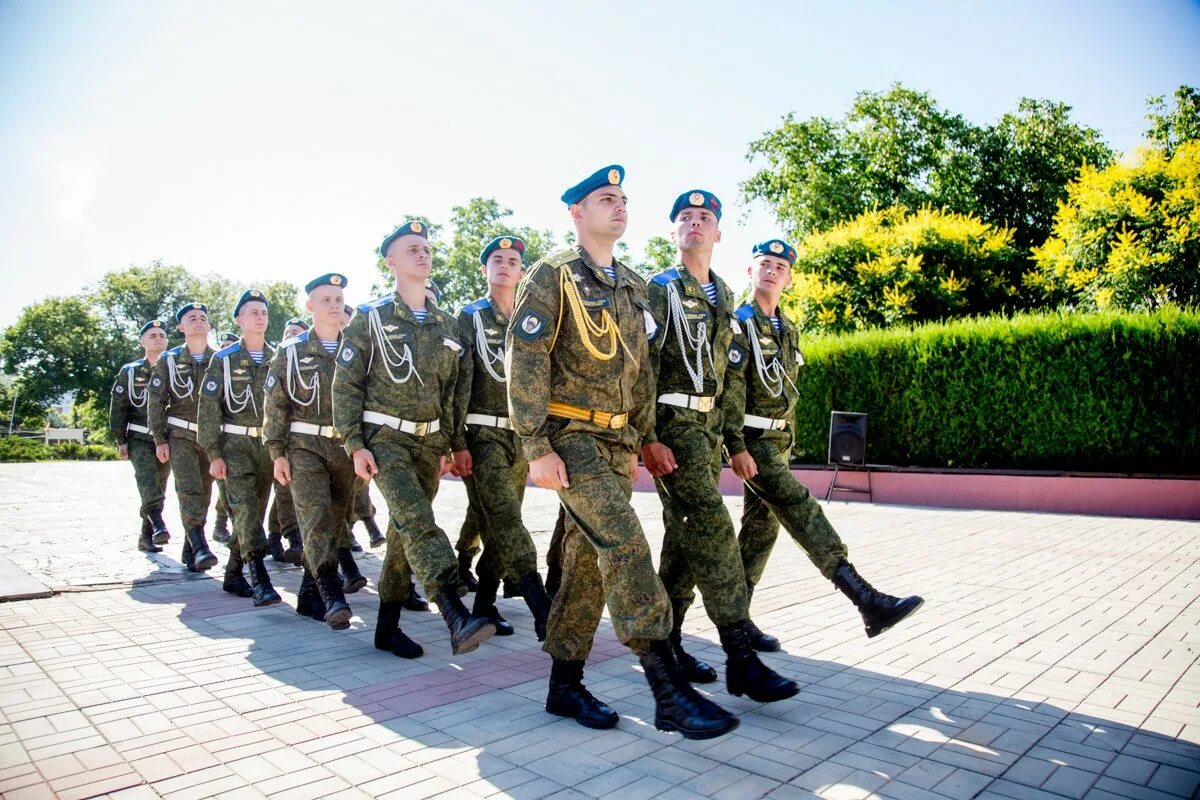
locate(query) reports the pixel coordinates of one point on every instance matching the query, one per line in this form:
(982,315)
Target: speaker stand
(833,485)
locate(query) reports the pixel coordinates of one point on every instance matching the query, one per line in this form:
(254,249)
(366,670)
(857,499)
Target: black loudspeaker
(847,439)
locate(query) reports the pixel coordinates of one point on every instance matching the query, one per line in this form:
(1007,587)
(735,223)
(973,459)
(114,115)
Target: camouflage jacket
(481,327)
(232,393)
(299,389)
(392,364)
(558,351)
(130,396)
(765,383)
(175,391)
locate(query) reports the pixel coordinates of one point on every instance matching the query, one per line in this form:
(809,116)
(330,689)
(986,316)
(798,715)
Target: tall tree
(1171,126)
(129,298)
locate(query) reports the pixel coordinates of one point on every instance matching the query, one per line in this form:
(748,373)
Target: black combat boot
(414,601)
(465,578)
(376,536)
(879,611)
(354,578)
(275,546)
(221,529)
(538,601)
(308,598)
(202,557)
(485,603)
(235,582)
(294,553)
(355,547)
(762,642)
(161,534)
(677,706)
(568,697)
(695,670)
(337,610)
(263,592)
(466,632)
(511,589)
(746,674)
(185,557)
(146,538)
(388,635)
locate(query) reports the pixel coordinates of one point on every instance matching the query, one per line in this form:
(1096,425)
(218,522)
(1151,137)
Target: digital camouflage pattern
(174,392)
(469,540)
(605,556)
(392,364)
(130,396)
(281,517)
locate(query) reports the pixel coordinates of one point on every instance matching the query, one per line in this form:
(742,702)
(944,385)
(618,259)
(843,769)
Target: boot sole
(274,601)
(339,620)
(206,564)
(237,592)
(353,586)
(162,538)
(149,549)
(670,727)
(474,639)
(596,726)
(873,632)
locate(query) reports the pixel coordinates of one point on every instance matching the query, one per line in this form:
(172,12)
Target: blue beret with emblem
(696,198)
(299,323)
(328,279)
(612,175)
(502,243)
(186,307)
(775,247)
(227,338)
(413,226)
(250,296)
(154,324)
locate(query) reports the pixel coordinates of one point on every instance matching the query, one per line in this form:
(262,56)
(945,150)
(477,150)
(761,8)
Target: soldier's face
(292,330)
(602,213)
(253,318)
(504,268)
(326,304)
(194,323)
(409,258)
(695,229)
(770,274)
(154,340)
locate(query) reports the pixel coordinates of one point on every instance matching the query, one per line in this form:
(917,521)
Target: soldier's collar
(432,312)
(600,274)
(693,288)
(497,312)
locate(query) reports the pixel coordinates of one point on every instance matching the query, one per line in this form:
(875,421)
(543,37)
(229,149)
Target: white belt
(402,425)
(137,428)
(691,401)
(181,423)
(316,430)
(489,420)
(765,423)
(240,430)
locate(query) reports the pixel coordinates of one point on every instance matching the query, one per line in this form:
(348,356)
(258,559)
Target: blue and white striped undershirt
(330,347)
(197,357)
(775,323)
(611,272)
(710,289)
(255,355)
(419,313)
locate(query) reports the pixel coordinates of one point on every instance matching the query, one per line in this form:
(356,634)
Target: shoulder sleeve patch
(532,325)
(270,381)
(156,382)
(210,388)
(119,389)
(737,356)
(347,354)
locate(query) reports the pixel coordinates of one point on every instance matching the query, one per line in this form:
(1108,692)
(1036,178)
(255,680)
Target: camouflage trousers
(222,501)
(323,488)
(149,473)
(193,484)
(363,507)
(495,493)
(408,478)
(700,546)
(282,518)
(248,477)
(773,497)
(469,540)
(605,555)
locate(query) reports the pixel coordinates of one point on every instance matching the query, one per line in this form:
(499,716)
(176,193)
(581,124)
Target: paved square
(1056,656)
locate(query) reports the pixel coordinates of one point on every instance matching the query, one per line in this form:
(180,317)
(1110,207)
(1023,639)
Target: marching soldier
(171,412)
(393,397)
(487,455)
(581,405)
(694,311)
(364,509)
(221,526)
(764,360)
(130,428)
(230,429)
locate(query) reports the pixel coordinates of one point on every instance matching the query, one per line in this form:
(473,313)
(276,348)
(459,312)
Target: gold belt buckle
(421,429)
(618,421)
(704,404)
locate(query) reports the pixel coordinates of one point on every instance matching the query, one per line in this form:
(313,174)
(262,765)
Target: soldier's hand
(163,453)
(283,471)
(549,472)
(658,458)
(123,452)
(743,465)
(216,468)
(463,464)
(364,464)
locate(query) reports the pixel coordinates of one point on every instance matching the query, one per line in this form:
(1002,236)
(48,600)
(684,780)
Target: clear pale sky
(260,139)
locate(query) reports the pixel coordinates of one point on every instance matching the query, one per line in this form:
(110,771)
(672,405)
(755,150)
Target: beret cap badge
(416,227)
(696,199)
(505,244)
(335,280)
(776,247)
(614,176)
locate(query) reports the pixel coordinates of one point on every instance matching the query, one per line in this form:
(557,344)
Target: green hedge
(1092,392)
(14,448)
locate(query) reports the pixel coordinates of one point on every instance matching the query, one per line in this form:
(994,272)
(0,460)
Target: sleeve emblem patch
(531,326)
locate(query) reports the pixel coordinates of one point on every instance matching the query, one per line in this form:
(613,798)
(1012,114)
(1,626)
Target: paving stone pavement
(1056,656)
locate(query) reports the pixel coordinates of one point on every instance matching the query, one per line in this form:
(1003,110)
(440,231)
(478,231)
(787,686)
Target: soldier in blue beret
(612,175)
(227,338)
(193,306)
(697,198)
(292,328)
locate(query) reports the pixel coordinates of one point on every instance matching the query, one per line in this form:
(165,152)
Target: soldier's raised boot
(275,546)
(466,632)
(355,547)
(337,610)
(879,611)
(146,539)
(354,578)
(221,529)
(202,558)
(308,598)
(746,674)
(388,635)
(414,601)
(677,706)
(569,698)
(376,536)
(264,593)
(538,601)
(235,582)
(695,670)
(762,642)
(485,603)
(161,534)
(464,572)
(294,553)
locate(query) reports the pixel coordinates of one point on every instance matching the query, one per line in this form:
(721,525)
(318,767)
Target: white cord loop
(295,379)
(489,356)
(689,343)
(236,403)
(391,358)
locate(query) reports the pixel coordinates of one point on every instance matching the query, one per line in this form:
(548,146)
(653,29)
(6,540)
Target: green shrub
(72,451)
(1096,392)
(14,448)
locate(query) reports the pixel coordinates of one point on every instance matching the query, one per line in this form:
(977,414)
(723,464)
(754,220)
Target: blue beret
(227,338)
(297,322)
(152,325)
(696,198)
(612,175)
(328,279)
(433,289)
(186,307)
(502,243)
(412,226)
(250,296)
(775,247)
